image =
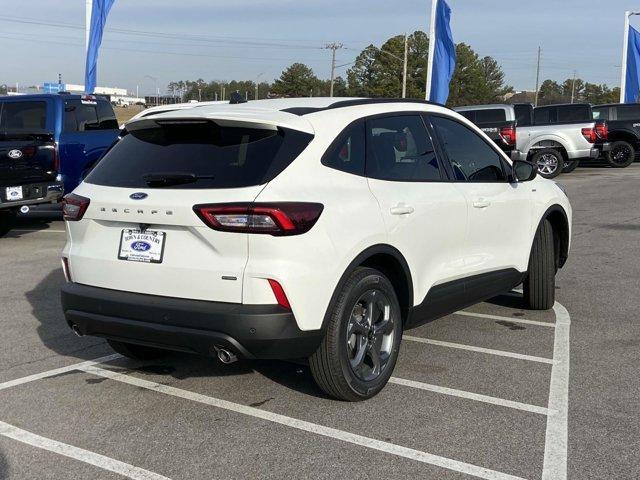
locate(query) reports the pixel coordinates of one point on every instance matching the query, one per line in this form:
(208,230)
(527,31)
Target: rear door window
(23,117)
(574,114)
(544,115)
(628,112)
(601,113)
(89,116)
(197,154)
(400,149)
(106,116)
(523,115)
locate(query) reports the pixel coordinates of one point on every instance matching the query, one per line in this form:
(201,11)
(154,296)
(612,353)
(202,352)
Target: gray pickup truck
(554,137)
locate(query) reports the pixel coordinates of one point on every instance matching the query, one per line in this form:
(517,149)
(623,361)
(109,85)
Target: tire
(136,352)
(540,283)
(549,162)
(344,366)
(7,218)
(570,166)
(621,155)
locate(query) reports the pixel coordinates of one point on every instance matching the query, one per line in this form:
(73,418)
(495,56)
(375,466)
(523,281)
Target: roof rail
(300,111)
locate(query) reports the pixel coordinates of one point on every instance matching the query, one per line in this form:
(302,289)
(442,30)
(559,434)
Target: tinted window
(629,112)
(601,113)
(469,115)
(347,152)
(574,113)
(106,116)
(399,148)
(544,116)
(471,158)
(523,114)
(494,115)
(216,157)
(25,117)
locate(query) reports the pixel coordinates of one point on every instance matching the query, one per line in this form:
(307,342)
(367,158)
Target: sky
(256,39)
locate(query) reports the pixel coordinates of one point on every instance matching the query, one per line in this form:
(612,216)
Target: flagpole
(625,51)
(432,48)
(87,23)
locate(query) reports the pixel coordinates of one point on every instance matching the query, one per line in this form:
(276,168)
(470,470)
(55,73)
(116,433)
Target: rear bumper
(195,326)
(34,193)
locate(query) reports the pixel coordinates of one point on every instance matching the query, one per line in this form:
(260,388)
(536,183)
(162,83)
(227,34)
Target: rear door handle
(401,209)
(481,203)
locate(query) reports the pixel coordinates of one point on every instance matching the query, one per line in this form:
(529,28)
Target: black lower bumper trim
(195,326)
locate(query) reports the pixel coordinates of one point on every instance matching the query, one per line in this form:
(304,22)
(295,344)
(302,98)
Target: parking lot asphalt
(490,393)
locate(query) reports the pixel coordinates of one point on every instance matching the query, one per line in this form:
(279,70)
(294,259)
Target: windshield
(198,154)
(23,117)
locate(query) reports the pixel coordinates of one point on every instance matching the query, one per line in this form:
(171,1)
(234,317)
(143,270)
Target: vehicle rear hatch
(27,145)
(150,181)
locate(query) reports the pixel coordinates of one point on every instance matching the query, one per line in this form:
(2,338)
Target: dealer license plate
(139,246)
(14,193)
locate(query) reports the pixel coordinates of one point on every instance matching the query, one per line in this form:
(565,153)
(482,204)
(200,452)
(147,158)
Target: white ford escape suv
(303,228)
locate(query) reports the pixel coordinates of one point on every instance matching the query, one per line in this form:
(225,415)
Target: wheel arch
(388,260)
(557,216)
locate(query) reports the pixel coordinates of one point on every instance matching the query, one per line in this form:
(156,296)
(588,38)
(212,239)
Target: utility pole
(404,70)
(573,87)
(333,47)
(538,77)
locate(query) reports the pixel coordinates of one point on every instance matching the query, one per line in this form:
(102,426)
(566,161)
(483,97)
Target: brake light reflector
(279,218)
(602,130)
(589,134)
(74,206)
(278,291)
(508,134)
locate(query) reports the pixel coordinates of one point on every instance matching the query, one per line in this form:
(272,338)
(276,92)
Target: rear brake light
(278,292)
(508,134)
(602,130)
(74,206)
(589,134)
(279,218)
(65,269)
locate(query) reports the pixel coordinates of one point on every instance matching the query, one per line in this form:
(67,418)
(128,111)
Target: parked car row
(556,138)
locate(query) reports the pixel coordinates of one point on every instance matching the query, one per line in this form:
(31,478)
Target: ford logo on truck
(138,196)
(140,246)
(15,154)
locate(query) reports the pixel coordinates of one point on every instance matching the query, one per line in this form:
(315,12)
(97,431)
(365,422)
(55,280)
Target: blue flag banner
(632,85)
(444,61)
(99,13)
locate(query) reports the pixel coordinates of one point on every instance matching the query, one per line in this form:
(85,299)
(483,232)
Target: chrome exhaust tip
(76,330)
(224,355)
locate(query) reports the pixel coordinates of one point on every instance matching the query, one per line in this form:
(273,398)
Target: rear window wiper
(167,179)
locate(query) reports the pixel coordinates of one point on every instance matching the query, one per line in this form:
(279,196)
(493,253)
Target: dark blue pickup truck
(48,143)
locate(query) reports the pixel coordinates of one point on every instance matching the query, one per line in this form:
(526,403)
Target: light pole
(258,83)
(155,80)
(404,63)
(625,51)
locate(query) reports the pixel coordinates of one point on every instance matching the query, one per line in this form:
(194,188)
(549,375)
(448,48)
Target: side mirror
(524,171)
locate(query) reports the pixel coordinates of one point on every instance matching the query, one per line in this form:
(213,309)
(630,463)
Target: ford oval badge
(138,196)
(15,154)
(140,246)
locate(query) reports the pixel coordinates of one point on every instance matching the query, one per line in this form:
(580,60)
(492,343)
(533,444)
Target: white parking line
(57,371)
(556,438)
(506,319)
(471,348)
(472,396)
(336,434)
(76,453)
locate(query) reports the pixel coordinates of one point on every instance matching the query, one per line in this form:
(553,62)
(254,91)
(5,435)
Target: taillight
(278,292)
(602,130)
(65,269)
(589,134)
(279,218)
(508,134)
(74,206)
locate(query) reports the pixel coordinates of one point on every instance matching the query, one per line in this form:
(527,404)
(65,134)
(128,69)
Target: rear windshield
(23,117)
(494,115)
(213,156)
